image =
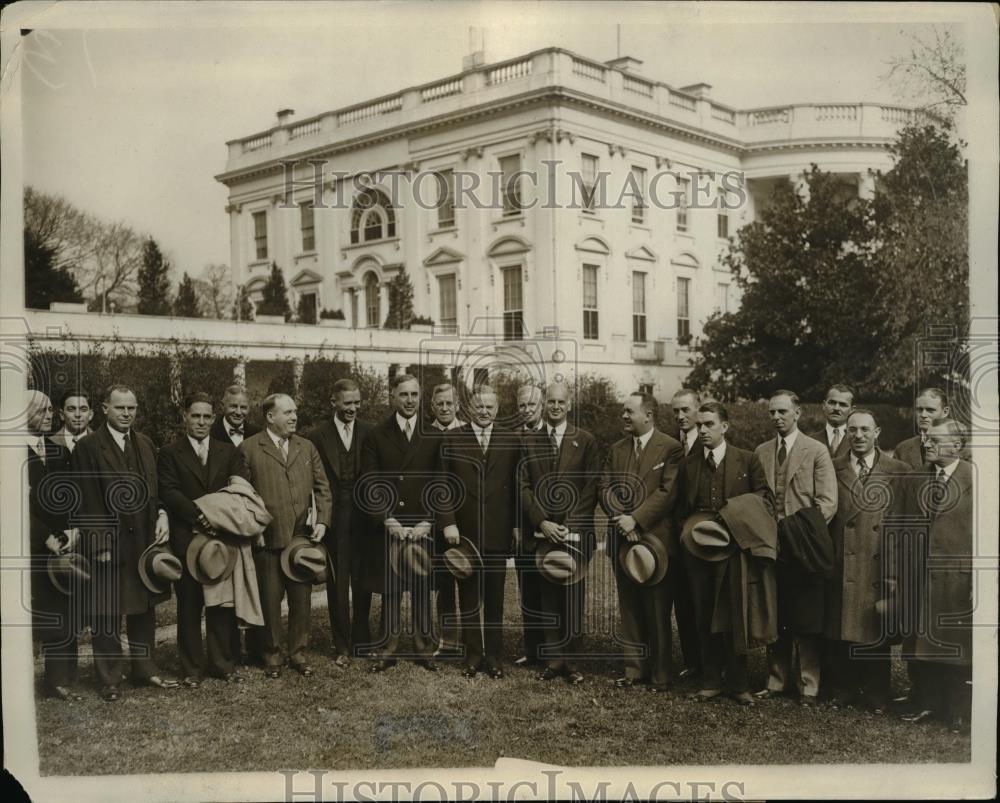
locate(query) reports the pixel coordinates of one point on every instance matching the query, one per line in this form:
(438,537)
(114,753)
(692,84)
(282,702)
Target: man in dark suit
(233,426)
(931,407)
(482,460)
(55,615)
(635,492)
(399,460)
(559,477)
(190,467)
(340,443)
(529,408)
(837,407)
(931,532)
(287,472)
(685,404)
(76,413)
(708,478)
(117,477)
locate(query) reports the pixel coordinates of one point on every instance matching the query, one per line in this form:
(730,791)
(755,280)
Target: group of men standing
(822,547)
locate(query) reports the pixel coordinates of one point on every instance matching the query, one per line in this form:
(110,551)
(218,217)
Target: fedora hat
(562,564)
(412,557)
(304,561)
(705,537)
(644,561)
(210,560)
(158,568)
(463,559)
(67,571)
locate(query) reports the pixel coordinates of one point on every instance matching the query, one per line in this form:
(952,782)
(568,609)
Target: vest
(710,490)
(780,480)
(346,458)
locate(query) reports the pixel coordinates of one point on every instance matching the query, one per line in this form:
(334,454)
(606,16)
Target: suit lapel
(846,479)
(566,448)
(331,444)
(294,450)
(767,458)
(796,455)
(730,471)
(650,454)
(112,454)
(215,461)
(190,460)
(268,447)
(694,472)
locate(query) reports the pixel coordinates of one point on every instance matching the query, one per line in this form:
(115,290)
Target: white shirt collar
(560,429)
(401,421)
(342,427)
(643,439)
(690,438)
(32,441)
(118,436)
(195,443)
(948,470)
(276,440)
(719,452)
(789,439)
(842,429)
(479,430)
(455,424)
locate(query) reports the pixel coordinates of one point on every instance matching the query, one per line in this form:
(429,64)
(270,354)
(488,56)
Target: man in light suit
(837,407)
(635,492)
(233,426)
(190,467)
(930,408)
(400,458)
(76,414)
(529,408)
(114,466)
(288,473)
(482,460)
(444,407)
(800,473)
(558,456)
(340,442)
(685,404)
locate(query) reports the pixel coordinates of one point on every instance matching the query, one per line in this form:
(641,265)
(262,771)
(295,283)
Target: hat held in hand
(304,560)
(158,568)
(210,560)
(644,561)
(68,571)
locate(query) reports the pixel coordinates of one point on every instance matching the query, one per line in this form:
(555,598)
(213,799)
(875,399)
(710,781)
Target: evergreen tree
(186,303)
(154,281)
(44,282)
(400,302)
(275,295)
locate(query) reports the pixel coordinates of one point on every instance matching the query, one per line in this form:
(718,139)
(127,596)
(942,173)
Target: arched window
(372,217)
(371,301)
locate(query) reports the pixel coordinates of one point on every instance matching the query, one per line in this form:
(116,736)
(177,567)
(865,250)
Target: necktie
(836,441)
(638,449)
(203,451)
(407,429)
(283,448)
(940,491)
(129,450)
(711,461)
(484,441)
(863,469)
(782,452)
(71,443)
(347,435)
(553,442)
(234,431)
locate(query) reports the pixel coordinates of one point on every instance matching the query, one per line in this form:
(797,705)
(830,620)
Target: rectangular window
(307,226)
(639,307)
(449,305)
(683,310)
(683,192)
(260,234)
(446,199)
(590,302)
(513,304)
(307,308)
(510,167)
(639,201)
(722,298)
(722,218)
(589,176)
(646,387)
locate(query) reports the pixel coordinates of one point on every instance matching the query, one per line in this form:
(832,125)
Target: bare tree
(215,290)
(932,74)
(113,263)
(56,224)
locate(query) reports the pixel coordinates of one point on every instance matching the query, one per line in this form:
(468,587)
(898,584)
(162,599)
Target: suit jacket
(810,478)
(219,432)
(908,452)
(743,474)
(856,530)
(118,511)
(183,479)
(287,488)
(47,515)
(643,491)
(399,479)
(325,438)
(564,493)
(843,448)
(484,487)
(62,438)
(931,552)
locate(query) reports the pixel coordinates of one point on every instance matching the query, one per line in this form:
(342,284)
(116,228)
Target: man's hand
(422,530)
(54,544)
(451,535)
(556,533)
(259,540)
(632,537)
(206,526)
(162,530)
(396,530)
(625,523)
(72,536)
(317,534)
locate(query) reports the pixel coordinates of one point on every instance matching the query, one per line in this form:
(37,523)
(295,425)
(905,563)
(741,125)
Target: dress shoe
(303,669)
(525,661)
(574,678)
(706,696)
(470,672)
(658,688)
(382,664)
(233,677)
(495,672)
(111,694)
(548,674)
(690,673)
(273,672)
(628,683)
(743,698)
(808,701)
(426,663)
(342,661)
(960,725)
(157,682)
(191,682)
(766,694)
(920,716)
(63,693)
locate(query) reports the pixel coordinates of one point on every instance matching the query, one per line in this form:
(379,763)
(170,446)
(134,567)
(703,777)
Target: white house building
(537,271)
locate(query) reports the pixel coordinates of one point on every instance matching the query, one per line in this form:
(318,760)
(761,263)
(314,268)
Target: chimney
(285,116)
(698,90)
(477,49)
(625,64)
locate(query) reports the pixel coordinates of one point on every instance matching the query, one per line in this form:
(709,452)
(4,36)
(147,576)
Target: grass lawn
(407,717)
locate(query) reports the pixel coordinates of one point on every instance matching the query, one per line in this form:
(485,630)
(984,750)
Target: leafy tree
(400,302)
(44,281)
(275,295)
(154,281)
(186,303)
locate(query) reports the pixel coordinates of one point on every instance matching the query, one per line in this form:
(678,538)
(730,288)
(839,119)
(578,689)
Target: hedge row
(161,379)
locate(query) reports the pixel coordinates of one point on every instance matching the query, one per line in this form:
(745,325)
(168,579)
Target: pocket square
(658,465)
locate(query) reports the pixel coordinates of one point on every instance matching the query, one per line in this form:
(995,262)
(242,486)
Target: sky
(127,117)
